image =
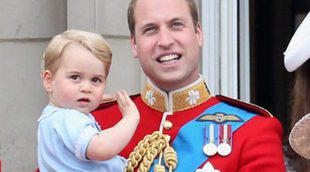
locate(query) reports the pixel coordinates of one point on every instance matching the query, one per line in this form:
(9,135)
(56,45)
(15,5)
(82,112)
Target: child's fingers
(125,104)
(108,97)
(122,99)
(125,97)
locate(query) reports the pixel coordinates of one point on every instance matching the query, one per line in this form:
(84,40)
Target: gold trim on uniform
(177,100)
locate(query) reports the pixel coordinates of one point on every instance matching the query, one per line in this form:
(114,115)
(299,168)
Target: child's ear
(47,80)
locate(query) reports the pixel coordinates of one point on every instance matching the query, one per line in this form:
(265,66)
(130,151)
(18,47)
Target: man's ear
(199,34)
(133,46)
(47,79)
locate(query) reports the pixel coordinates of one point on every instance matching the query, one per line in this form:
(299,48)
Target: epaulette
(108,104)
(246,106)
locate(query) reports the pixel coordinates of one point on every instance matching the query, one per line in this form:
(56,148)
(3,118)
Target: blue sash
(190,140)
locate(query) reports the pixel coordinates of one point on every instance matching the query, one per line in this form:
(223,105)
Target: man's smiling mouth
(167,59)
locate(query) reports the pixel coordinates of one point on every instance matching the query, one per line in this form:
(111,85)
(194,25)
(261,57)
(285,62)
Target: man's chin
(169,84)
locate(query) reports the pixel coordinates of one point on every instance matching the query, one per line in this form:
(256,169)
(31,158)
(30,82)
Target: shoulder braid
(152,145)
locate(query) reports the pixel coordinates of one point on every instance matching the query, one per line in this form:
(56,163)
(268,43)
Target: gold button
(167,125)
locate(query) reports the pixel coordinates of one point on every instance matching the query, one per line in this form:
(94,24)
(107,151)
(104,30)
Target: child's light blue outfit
(63,137)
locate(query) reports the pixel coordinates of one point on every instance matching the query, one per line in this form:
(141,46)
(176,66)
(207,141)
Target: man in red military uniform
(182,127)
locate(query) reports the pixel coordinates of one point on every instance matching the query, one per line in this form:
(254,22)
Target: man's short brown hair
(131,20)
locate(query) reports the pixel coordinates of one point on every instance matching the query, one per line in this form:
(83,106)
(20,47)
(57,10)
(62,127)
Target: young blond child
(75,68)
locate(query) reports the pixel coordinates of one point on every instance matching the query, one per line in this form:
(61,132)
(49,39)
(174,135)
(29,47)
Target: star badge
(208,167)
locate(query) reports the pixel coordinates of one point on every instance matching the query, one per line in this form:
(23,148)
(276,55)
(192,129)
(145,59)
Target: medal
(209,148)
(224,148)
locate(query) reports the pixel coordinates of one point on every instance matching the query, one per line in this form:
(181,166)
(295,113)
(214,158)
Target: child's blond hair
(95,43)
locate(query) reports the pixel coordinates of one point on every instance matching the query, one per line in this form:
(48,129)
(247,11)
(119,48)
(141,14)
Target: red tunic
(257,144)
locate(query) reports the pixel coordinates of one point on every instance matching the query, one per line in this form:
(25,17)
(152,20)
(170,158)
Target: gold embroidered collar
(178,100)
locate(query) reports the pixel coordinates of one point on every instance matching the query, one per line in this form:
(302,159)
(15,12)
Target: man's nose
(165,39)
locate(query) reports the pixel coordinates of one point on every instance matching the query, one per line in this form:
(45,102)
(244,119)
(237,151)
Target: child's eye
(96,80)
(75,77)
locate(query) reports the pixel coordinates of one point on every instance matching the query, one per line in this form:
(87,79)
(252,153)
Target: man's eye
(149,30)
(177,25)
